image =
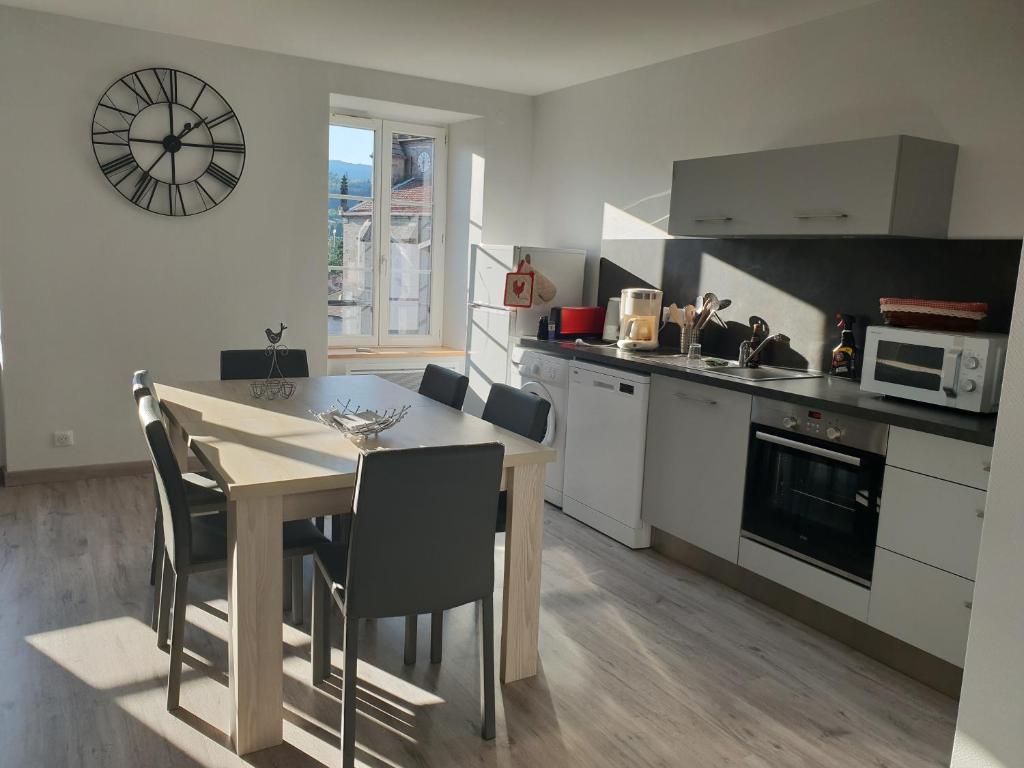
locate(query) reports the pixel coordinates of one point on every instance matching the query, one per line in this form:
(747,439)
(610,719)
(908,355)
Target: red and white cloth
(966,310)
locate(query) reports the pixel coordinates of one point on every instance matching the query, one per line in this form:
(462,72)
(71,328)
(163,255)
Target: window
(385,232)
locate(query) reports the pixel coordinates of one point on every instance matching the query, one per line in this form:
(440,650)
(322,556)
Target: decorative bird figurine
(275,337)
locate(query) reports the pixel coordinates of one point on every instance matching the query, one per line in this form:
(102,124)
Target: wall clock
(168,141)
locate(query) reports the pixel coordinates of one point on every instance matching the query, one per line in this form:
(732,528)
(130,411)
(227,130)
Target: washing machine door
(541,391)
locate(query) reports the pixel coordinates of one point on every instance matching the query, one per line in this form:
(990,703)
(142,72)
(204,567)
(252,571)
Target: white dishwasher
(604,454)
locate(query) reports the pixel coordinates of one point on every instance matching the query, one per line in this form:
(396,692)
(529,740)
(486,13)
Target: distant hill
(355,171)
(358,177)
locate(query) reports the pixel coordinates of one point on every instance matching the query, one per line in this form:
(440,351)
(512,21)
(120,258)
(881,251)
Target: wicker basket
(933,315)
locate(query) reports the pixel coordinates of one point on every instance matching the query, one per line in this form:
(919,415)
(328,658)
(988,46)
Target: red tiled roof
(410,198)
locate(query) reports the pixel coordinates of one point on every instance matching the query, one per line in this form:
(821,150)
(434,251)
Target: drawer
(954,460)
(840,594)
(921,605)
(931,520)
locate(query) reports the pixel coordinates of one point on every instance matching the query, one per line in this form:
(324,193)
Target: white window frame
(383,131)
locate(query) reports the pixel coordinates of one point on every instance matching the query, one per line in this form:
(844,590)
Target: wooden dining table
(276,462)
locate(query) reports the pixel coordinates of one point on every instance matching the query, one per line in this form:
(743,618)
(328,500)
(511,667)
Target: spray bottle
(844,355)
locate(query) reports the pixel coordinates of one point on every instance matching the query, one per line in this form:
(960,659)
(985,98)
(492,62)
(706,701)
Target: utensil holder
(689,335)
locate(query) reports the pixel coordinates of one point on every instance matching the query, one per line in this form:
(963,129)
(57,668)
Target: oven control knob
(790,422)
(833,433)
(968,386)
(971,363)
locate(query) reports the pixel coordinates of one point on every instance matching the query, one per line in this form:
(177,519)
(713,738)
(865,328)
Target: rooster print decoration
(519,287)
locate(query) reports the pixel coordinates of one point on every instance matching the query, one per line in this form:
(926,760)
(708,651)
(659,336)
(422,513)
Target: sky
(353,145)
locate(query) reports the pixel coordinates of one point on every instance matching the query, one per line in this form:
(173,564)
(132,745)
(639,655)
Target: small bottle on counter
(542,329)
(844,355)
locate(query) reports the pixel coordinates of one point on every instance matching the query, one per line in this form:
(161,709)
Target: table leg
(254,619)
(524,537)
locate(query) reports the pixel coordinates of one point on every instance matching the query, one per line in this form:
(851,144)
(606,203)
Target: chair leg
(348,694)
(297,590)
(320,632)
(177,640)
(487,674)
(164,599)
(319,523)
(411,623)
(436,631)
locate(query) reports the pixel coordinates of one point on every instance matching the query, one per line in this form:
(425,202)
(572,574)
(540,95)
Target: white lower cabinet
(840,594)
(924,606)
(695,463)
(943,457)
(931,520)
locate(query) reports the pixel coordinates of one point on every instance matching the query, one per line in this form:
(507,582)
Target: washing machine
(548,376)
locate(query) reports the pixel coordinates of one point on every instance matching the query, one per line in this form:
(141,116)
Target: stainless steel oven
(814,483)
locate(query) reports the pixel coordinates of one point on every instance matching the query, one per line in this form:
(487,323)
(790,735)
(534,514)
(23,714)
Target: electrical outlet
(63,438)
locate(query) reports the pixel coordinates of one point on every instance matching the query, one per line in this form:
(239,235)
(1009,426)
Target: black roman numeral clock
(168,142)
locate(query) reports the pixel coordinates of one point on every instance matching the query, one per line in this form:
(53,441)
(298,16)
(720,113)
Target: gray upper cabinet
(893,185)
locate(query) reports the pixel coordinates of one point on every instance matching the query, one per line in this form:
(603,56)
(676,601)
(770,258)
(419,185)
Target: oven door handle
(853,461)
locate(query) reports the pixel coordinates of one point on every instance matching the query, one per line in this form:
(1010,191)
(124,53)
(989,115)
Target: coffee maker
(639,318)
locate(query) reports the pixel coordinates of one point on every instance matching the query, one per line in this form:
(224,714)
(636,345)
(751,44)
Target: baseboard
(922,666)
(83,472)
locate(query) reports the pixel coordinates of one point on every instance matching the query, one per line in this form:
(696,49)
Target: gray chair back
(174,509)
(444,385)
(422,537)
(141,384)
(521,412)
(255,364)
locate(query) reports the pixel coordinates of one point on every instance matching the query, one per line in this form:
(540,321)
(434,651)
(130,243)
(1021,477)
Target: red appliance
(577,322)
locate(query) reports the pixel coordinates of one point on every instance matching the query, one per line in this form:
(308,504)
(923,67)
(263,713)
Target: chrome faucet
(748,357)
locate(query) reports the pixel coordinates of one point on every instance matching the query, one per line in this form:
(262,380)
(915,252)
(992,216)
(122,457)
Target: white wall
(988,729)
(94,288)
(943,69)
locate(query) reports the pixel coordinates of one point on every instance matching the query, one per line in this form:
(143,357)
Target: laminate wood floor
(644,663)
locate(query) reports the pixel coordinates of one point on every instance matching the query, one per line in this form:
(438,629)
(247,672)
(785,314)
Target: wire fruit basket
(358,423)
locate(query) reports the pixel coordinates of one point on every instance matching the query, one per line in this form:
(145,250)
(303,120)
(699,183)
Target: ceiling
(523,46)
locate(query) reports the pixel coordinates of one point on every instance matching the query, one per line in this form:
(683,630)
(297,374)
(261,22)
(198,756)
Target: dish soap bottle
(844,355)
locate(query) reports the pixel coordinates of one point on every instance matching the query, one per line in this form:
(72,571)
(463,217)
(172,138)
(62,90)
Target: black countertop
(827,393)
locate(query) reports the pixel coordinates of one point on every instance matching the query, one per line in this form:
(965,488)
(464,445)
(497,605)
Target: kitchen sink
(763,373)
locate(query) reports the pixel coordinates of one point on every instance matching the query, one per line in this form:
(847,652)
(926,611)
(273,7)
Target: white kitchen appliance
(493,329)
(639,318)
(547,376)
(611,320)
(957,370)
(604,452)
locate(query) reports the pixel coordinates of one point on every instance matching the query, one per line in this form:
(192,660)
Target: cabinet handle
(969,605)
(821,215)
(712,219)
(981,514)
(986,466)
(691,398)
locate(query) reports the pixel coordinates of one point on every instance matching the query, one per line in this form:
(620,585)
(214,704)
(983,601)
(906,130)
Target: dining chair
(255,364)
(192,544)
(444,385)
(517,411)
(421,539)
(236,364)
(204,496)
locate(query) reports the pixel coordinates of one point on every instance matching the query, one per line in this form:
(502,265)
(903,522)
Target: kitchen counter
(827,393)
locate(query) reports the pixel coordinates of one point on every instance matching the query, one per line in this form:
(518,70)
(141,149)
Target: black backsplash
(797,286)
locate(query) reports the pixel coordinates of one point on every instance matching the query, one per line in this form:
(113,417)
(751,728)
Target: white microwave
(957,370)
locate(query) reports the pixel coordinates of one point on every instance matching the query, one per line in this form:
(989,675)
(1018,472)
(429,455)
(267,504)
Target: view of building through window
(393,290)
